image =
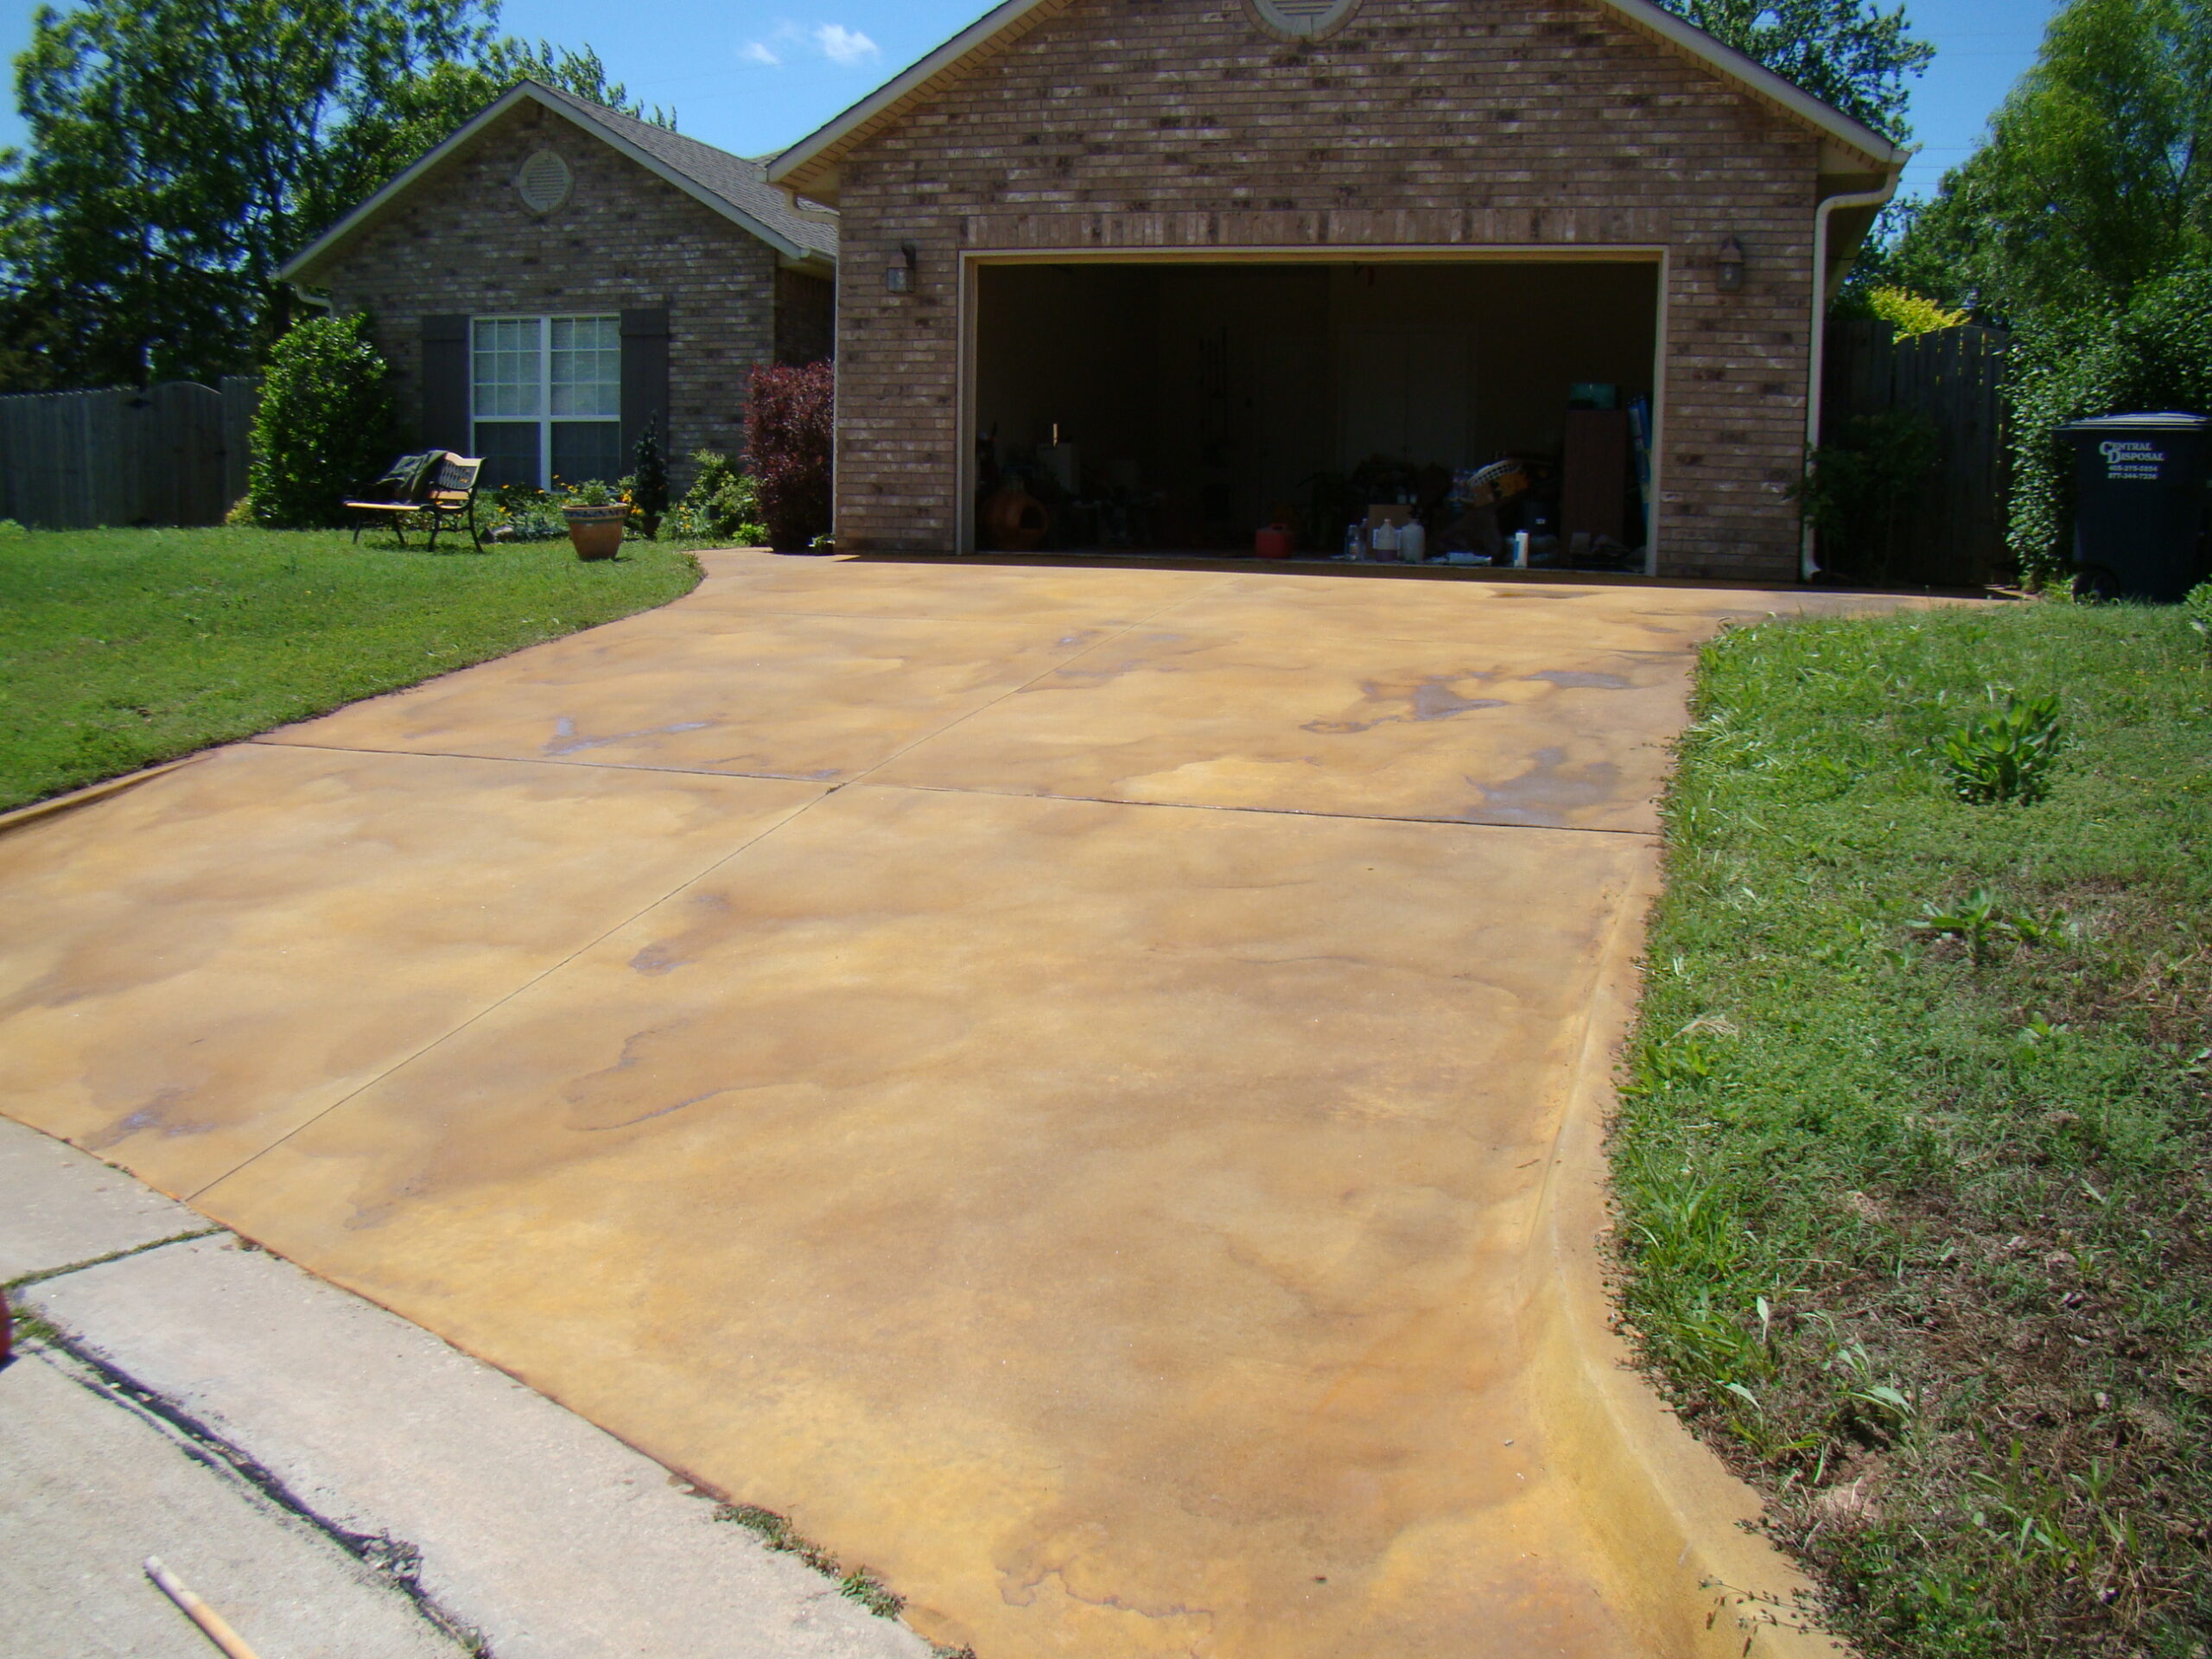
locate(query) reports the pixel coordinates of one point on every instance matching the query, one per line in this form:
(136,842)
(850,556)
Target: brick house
(555,273)
(1195,252)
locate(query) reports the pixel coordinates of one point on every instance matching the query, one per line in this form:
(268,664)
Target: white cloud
(843,46)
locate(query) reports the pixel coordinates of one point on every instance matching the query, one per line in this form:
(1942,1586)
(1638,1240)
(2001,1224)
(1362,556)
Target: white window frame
(545,419)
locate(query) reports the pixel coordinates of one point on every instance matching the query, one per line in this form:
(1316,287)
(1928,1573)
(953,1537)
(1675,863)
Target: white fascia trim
(1644,15)
(404,180)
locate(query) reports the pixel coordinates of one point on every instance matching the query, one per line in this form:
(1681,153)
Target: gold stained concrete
(195,968)
(1120,1222)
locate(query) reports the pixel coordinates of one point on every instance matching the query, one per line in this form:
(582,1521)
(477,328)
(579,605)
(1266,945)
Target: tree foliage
(325,423)
(1852,54)
(2084,222)
(2096,178)
(181,149)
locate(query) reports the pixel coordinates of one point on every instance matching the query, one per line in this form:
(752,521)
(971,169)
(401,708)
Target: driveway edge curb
(1663,1508)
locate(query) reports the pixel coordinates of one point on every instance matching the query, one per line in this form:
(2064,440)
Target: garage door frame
(972,259)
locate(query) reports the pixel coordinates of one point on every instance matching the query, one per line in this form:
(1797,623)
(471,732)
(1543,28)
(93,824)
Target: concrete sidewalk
(332,1479)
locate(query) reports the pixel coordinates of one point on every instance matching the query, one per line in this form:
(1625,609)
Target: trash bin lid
(2168,421)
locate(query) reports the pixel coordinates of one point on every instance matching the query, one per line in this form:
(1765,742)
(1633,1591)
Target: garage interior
(1299,409)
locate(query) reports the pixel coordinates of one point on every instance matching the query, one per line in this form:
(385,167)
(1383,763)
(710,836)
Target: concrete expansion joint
(396,1563)
(44,1273)
(1261,812)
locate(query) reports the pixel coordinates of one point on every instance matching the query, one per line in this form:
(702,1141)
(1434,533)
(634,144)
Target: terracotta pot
(1015,521)
(596,532)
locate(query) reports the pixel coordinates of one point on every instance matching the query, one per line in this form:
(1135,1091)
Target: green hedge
(325,425)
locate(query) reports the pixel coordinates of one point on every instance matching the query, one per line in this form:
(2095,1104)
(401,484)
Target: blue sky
(755,75)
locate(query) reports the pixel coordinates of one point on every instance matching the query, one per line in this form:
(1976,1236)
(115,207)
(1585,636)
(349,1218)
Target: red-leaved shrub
(787,438)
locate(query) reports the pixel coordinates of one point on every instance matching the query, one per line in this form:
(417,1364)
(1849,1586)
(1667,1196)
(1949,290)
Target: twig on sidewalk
(210,1622)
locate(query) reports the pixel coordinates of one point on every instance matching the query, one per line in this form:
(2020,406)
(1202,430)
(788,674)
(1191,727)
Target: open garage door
(1184,406)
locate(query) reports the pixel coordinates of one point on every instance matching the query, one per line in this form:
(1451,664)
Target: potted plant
(595,515)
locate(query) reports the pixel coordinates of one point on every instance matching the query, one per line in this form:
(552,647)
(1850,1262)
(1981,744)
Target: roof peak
(809,167)
(729,185)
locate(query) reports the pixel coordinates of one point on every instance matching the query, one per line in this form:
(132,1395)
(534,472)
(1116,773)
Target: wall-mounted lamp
(1729,269)
(898,275)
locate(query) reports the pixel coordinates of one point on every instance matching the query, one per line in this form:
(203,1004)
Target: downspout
(320,302)
(1807,567)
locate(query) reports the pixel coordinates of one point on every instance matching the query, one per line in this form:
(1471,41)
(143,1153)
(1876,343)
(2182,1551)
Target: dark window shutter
(445,385)
(645,378)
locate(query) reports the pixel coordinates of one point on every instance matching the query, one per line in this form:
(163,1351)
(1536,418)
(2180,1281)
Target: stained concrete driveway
(1052,1077)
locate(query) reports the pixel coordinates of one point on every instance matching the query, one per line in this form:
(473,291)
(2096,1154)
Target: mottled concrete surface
(281,1444)
(1046,1075)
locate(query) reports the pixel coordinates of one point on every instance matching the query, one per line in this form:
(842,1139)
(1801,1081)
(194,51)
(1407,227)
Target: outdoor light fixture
(1730,268)
(898,275)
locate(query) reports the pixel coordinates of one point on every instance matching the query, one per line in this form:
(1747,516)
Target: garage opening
(1315,410)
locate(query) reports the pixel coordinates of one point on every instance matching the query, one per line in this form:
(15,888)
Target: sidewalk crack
(42,1274)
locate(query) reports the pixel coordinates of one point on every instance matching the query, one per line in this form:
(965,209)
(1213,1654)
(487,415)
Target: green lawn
(1921,1242)
(119,648)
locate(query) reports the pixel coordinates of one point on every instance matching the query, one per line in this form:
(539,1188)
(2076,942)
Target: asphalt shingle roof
(743,184)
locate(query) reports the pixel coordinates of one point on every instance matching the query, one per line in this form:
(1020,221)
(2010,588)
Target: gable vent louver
(542,184)
(1302,19)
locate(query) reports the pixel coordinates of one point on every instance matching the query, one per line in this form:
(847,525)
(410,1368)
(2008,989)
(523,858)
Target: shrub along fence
(1951,531)
(173,453)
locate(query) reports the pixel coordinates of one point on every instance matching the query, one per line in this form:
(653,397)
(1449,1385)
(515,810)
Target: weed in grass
(2007,755)
(1982,924)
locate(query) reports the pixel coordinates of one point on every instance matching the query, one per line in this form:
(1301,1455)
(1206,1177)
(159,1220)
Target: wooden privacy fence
(173,453)
(1952,534)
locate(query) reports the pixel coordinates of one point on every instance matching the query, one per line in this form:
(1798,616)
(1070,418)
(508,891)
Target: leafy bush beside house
(722,504)
(326,424)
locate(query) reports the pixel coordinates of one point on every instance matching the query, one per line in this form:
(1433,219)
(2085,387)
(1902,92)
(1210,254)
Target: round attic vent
(542,184)
(1301,20)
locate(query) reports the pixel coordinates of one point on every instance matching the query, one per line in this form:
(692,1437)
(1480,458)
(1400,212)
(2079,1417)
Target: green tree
(182,149)
(1852,54)
(324,425)
(2096,178)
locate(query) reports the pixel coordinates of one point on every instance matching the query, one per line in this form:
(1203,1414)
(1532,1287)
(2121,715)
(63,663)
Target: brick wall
(1142,124)
(624,238)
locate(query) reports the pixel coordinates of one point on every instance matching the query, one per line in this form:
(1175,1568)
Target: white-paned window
(546,399)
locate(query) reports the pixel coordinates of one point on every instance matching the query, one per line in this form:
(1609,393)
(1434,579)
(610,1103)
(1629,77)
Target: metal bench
(444,490)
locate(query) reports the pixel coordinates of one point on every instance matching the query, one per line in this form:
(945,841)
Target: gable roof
(730,185)
(810,165)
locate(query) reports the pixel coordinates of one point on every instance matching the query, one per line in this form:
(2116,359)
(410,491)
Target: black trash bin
(2139,502)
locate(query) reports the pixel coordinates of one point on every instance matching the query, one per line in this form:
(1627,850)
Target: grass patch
(121,648)
(860,1585)
(1914,1161)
